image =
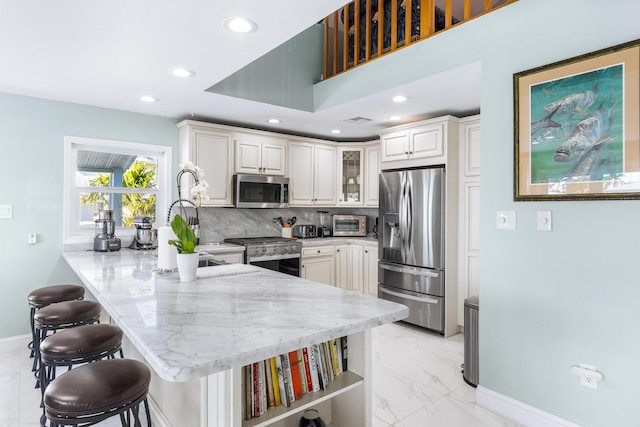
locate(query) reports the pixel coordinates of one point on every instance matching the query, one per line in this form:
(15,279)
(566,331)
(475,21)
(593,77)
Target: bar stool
(94,392)
(42,297)
(58,316)
(75,346)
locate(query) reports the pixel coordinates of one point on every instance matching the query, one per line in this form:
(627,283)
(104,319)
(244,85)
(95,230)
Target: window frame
(72,233)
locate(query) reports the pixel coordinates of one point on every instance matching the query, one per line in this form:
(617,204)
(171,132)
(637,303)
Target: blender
(105,239)
(323,229)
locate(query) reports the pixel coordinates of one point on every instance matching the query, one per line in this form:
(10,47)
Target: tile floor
(416,382)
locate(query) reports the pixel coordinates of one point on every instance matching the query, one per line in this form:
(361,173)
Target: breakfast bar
(197,335)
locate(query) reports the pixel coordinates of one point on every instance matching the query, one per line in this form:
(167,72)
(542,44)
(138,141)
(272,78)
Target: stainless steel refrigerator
(411,243)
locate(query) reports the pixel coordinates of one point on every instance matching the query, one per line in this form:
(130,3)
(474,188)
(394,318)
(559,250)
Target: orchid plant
(186,237)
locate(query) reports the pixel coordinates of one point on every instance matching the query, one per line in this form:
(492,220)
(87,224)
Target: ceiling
(108,54)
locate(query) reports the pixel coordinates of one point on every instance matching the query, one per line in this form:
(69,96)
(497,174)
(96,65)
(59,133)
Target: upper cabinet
(313,172)
(350,172)
(371,173)
(416,144)
(260,155)
(210,148)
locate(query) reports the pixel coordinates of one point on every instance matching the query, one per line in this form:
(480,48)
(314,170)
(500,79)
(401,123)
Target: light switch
(506,220)
(6,211)
(544,221)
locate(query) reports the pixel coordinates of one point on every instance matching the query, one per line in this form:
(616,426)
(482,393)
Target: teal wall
(32,135)
(548,300)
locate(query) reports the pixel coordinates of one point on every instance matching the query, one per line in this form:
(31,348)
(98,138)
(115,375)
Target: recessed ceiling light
(399,98)
(182,72)
(274,121)
(336,131)
(394,118)
(240,25)
(147,98)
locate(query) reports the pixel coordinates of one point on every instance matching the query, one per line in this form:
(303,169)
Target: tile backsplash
(216,224)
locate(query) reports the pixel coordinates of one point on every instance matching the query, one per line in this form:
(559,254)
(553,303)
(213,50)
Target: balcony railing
(384,26)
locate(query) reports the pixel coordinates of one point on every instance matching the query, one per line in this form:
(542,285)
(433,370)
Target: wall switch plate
(506,220)
(6,211)
(32,238)
(544,221)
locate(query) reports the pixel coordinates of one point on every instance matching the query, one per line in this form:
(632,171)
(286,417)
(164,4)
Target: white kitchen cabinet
(342,267)
(312,173)
(318,264)
(371,173)
(416,144)
(469,212)
(210,148)
(356,267)
(350,172)
(370,270)
(254,156)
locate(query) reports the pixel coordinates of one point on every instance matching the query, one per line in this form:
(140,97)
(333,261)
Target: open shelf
(344,382)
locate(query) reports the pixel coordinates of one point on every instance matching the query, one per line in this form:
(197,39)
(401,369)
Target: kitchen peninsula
(196,336)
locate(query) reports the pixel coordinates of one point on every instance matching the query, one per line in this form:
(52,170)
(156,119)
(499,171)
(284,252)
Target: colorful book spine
(313,367)
(271,400)
(256,390)
(295,374)
(286,366)
(282,381)
(345,352)
(307,369)
(262,388)
(276,381)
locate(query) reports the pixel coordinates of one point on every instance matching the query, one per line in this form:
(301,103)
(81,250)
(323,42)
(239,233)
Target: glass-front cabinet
(351,176)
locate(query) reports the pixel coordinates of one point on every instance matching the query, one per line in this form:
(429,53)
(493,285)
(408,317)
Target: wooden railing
(384,26)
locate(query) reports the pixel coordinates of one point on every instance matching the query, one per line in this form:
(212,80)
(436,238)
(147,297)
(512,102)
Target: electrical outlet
(588,374)
(6,211)
(32,238)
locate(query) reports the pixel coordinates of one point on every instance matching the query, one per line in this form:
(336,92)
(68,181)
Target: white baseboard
(157,417)
(11,344)
(518,411)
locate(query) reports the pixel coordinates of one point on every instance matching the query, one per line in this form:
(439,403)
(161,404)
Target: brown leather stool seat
(97,391)
(42,297)
(62,315)
(82,344)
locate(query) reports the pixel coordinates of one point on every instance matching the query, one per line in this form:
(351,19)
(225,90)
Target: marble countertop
(217,248)
(230,316)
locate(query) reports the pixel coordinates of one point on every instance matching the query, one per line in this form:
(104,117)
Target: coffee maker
(145,236)
(105,239)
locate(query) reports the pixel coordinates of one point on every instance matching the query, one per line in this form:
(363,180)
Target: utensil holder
(286,232)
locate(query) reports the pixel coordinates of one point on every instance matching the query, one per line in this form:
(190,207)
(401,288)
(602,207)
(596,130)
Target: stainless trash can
(471,365)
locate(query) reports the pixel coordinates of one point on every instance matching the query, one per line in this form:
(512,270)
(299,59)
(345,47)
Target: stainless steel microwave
(260,191)
(349,225)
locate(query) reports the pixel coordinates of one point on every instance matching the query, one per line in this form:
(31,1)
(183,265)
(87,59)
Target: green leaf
(186,242)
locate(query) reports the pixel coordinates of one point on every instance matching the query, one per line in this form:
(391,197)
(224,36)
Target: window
(128,178)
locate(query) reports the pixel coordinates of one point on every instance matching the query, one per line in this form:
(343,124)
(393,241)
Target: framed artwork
(576,127)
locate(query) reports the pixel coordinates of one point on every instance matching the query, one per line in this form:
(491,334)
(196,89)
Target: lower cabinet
(342,267)
(370,270)
(319,265)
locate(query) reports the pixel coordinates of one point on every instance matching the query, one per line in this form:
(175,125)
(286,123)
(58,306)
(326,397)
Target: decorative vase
(311,418)
(187,266)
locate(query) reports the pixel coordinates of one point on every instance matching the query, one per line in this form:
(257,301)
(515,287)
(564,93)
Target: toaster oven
(349,225)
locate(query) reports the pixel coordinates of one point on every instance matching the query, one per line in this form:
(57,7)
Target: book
(275,380)
(303,372)
(271,400)
(295,374)
(328,361)
(262,389)
(255,398)
(322,376)
(307,370)
(286,369)
(313,368)
(282,382)
(334,357)
(345,346)
(248,391)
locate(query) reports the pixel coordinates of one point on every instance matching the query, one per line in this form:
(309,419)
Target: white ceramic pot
(187,266)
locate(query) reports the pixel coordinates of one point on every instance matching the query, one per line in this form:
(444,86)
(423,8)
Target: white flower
(188,166)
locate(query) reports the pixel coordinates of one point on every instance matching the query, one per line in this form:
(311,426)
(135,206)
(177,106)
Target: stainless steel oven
(273,253)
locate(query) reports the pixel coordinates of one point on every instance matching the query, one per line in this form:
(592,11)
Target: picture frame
(576,127)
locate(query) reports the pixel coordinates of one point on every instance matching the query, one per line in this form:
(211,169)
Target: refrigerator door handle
(409,297)
(410,270)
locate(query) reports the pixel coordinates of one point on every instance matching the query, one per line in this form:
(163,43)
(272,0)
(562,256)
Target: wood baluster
(325,49)
(467,9)
(356,32)
(394,24)
(380,26)
(447,14)
(487,5)
(408,10)
(367,30)
(335,42)
(345,38)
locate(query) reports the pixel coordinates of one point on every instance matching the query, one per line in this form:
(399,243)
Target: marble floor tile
(416,382)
